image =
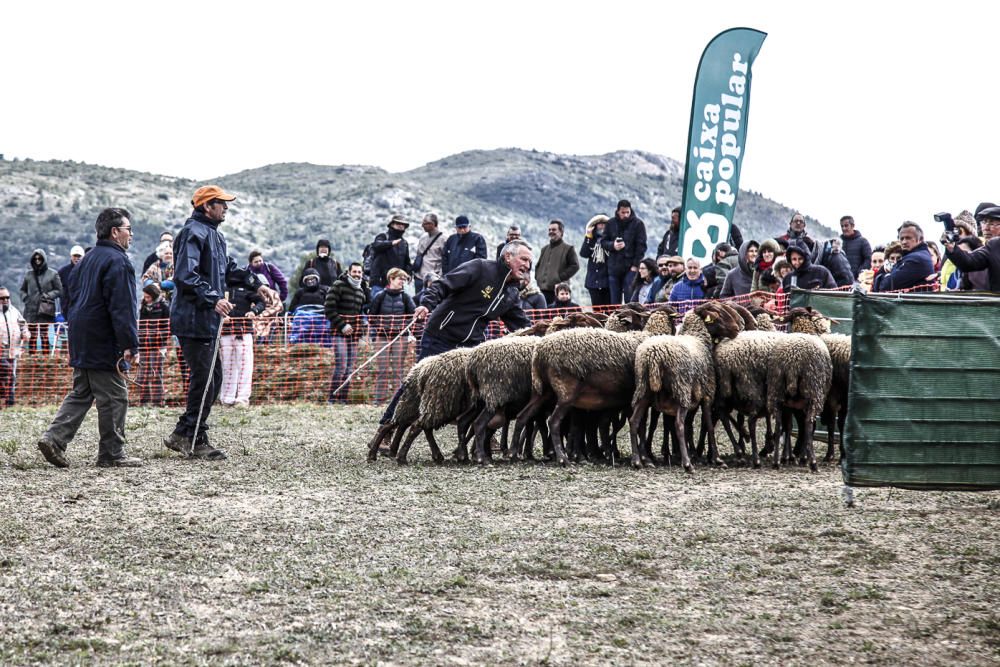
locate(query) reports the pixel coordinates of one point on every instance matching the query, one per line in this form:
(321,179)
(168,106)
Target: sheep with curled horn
(800,372)
(587,368)
(834,416)
(676,375)
(498,374)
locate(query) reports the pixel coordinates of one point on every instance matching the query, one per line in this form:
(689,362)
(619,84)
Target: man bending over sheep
(463,303)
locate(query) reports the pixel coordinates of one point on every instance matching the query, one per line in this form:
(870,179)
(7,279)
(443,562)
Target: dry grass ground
(295,550)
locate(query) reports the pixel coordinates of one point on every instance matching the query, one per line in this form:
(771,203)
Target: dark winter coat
(910,271)
(858,252)
(64,279)
(465,300)
(308,296)
(803,239)
(660,290)
(328,268)
(244,301)
(532,298)
(392,305)
(720,270)
(668,245)
(838,265)
(201,265)
(556,264)
(739,280)
(344,303)
(597,272)
(632,231)
(38,284)
(985,258)
(461,248)
(102,309)
(809,275)
(388,256)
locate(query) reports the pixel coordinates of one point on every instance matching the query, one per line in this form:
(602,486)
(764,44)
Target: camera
(950,233)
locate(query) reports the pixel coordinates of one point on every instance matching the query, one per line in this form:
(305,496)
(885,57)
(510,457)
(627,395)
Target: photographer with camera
(985,258)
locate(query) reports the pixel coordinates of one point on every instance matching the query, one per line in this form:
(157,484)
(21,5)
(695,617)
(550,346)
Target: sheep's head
(749,323)
(574,321)
(763,318)
(720,321)
(537,329)
(628,318)
(806,320)
(662,320)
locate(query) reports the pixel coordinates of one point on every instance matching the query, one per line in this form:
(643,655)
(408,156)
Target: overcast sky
(887,113)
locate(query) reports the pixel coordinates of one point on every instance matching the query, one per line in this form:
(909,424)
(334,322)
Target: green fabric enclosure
(924,405)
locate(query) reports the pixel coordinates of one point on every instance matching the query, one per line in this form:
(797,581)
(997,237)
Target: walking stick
(208,382)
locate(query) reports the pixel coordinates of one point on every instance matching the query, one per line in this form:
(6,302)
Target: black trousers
(600,297)
(198,356)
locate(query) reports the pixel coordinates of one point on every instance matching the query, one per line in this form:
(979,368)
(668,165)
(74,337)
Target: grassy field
(295,550)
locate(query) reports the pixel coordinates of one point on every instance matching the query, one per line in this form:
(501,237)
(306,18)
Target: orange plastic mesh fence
(289,358)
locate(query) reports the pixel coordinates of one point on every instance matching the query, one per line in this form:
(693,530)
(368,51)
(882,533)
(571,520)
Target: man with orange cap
(201,266)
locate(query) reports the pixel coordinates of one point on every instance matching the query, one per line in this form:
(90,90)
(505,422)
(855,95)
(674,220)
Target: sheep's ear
(708,319)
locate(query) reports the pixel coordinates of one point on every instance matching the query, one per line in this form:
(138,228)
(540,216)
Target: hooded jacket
(201,267)
(760,266)
(532,298)
(720,269)
(388,256)
(838,265)
(39,283)
(308,296)
(463,303)
(910,271)
(102,315)
(632,231)
(739,280)
(245,301)
(597,272)
(809,275)
(327,267)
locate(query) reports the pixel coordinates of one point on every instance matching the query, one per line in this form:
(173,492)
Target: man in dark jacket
(202,266)
(462,246)
(805,274)
(391,251)
(797,234)
(915,266)
(986,257)
(345,301)
(671,238)
(557,263)
(324,262)
(625,245)
(463,303)
(39,290)
(856,248)
(833,259)
(103,329)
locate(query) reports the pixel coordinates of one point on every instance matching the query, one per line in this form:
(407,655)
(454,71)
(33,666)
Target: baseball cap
(207,193)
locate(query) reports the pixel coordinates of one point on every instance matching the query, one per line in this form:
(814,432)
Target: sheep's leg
(436,454)
(654,418)
(397,437)
(781,447)
(526,415)
(608,444)
(752,423)
(480,429)
(503,437)
(679,419)
(708,423)
(383,432)
(635,431)
(575,439)
(806,428)
(405,447)
(739,449)
(555,427)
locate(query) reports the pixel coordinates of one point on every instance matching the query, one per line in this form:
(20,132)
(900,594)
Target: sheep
(443,398)
(590,369)
(834,415)
(675,375)
(498,374)
(799,374)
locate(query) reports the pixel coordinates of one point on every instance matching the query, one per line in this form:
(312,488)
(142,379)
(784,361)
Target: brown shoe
(52,453)
(203,450)
(123,462)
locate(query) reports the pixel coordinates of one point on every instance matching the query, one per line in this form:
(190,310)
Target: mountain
(284,208)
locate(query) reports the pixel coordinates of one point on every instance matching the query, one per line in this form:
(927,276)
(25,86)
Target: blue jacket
(911,271)
(102,311)
(597,272)
(460,248)
(688,290)
(201,264)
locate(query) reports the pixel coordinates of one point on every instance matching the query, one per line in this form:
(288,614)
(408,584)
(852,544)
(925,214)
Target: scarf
(598,255)
(354,282)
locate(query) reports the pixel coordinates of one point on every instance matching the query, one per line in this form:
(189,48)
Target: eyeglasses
(125,228)
(4,298)
(661,266)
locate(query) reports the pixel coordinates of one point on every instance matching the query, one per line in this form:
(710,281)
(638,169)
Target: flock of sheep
(578,380)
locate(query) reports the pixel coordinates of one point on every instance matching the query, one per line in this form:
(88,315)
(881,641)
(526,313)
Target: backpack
(367,259)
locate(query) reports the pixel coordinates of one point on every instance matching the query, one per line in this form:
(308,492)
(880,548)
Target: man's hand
(396,242)
(420,313)
(347,330)
(223,306)
(129,356)
(267,293)
(619,244)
